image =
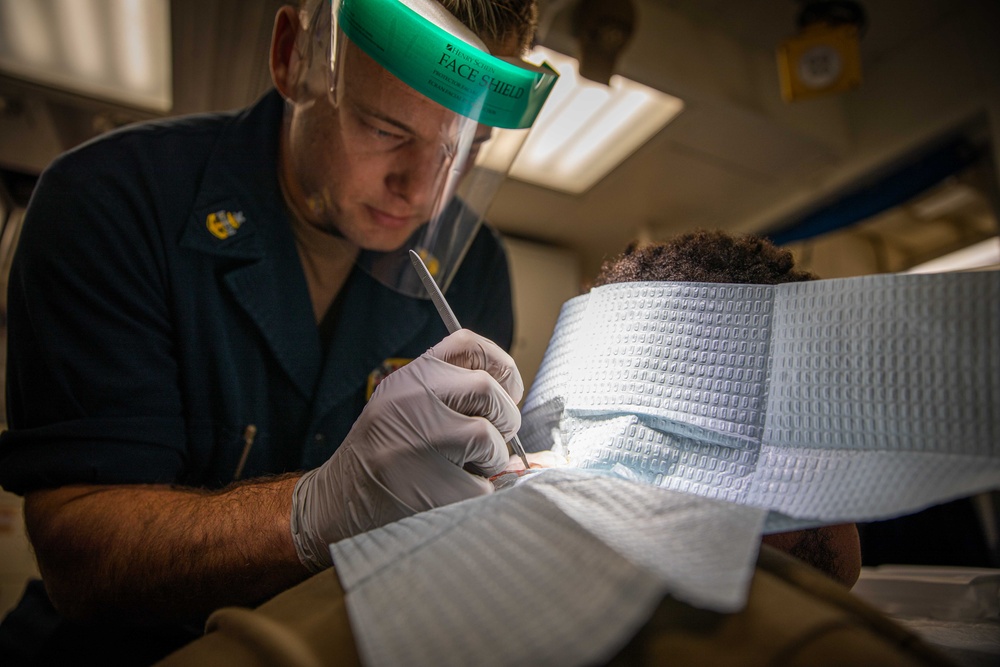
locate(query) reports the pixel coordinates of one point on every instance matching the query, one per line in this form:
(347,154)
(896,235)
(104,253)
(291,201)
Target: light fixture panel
(117,50)
(587,129)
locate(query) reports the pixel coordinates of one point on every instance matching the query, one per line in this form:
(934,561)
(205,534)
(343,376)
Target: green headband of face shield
(458,76)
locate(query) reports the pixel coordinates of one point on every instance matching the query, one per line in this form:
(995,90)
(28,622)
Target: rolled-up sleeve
(91,375)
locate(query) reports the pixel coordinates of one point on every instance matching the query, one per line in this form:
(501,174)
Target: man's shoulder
(159,171)
(167,146)
(487,249)
(187,138)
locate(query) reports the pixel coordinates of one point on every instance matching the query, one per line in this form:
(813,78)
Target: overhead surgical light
(118,50)
(586,129)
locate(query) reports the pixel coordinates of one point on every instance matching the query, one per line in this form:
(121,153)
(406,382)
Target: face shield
(402,111)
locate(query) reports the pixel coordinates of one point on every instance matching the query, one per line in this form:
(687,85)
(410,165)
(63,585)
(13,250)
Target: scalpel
(452,325)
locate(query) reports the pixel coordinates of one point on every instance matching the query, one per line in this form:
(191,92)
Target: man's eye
(379,133)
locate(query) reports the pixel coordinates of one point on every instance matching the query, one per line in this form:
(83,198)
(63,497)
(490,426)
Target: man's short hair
(499,23)
(704,257)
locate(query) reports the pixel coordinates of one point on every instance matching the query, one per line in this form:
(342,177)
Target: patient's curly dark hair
(717,257)
(704,257)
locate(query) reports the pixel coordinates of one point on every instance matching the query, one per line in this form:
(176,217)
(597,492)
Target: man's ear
(286,62)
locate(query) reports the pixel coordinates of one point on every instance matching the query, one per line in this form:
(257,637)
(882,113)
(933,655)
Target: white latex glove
(453,406)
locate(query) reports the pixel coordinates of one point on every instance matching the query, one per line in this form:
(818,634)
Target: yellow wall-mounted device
(820,60)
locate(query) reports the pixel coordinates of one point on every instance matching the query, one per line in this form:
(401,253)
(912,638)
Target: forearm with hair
(150,554)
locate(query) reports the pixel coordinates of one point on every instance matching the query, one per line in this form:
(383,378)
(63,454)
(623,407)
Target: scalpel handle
(437,297)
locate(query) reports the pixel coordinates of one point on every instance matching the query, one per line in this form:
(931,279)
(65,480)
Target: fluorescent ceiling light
(981,255)
(945,200)
(112,49)
(587,129)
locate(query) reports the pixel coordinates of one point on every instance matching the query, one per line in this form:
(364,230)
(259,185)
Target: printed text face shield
(405,99)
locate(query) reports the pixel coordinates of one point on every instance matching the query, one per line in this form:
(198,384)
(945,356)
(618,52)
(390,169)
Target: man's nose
(417,171)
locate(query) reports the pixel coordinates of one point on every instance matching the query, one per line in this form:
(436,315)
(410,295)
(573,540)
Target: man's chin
(383,243)
(367,234)
(380,239)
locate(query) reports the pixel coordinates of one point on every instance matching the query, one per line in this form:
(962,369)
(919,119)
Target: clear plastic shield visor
(412,102)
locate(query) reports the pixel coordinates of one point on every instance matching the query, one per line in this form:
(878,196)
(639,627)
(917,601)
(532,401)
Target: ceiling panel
(220,52)
(744,141)
(764,23)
